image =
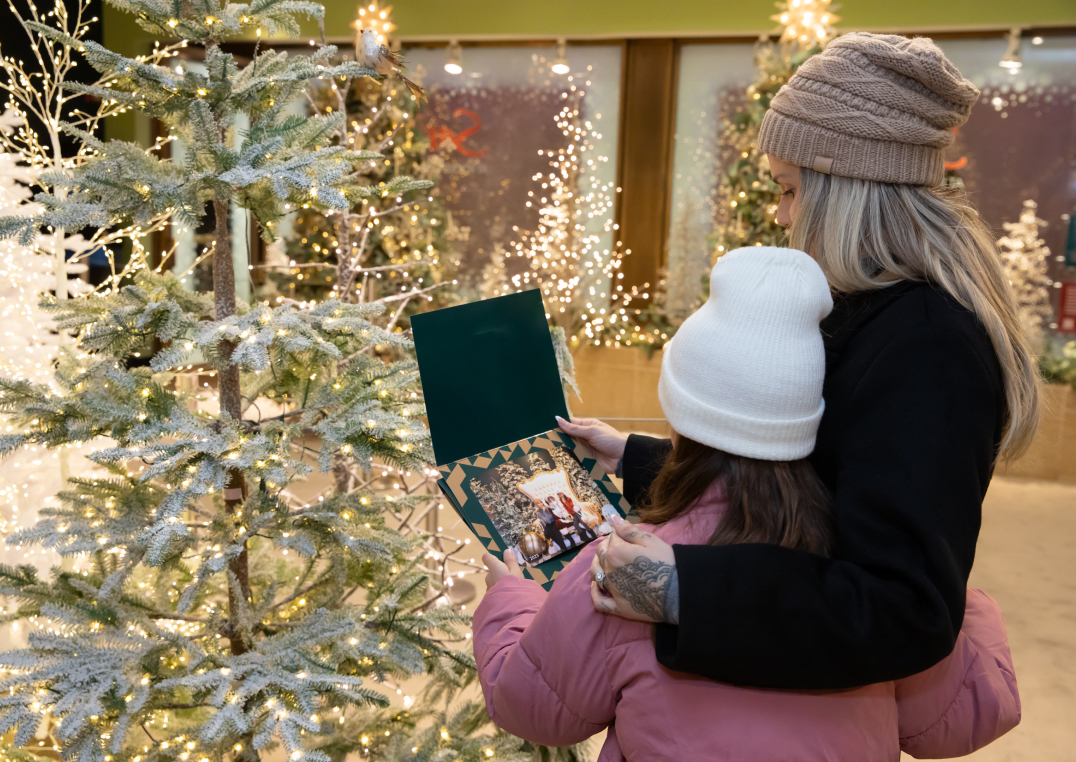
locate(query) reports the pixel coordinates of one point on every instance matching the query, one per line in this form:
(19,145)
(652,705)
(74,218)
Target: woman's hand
(638,568)
(499,570)
(606,442)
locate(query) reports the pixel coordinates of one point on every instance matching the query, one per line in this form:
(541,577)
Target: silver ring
(600,579)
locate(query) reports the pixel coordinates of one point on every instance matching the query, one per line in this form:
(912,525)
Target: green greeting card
(491,387)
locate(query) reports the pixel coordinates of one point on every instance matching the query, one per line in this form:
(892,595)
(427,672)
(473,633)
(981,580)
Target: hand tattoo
(644,584)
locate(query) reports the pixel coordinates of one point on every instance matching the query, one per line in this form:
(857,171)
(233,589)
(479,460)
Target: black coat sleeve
(643,458)
(915,453)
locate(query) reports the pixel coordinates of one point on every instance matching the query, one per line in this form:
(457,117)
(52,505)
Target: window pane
(495,117)
(1018,143)
(712,80)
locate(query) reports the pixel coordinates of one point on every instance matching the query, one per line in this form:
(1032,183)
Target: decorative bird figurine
(373,55)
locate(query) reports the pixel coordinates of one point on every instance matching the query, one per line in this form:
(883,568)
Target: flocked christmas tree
(747,195)
(1025,260)
(204,615)
(512,519)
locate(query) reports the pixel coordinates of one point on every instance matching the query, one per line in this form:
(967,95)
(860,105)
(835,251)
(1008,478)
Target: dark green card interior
(489,374)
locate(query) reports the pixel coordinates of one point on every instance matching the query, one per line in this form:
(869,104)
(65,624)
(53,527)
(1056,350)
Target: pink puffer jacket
(556,672)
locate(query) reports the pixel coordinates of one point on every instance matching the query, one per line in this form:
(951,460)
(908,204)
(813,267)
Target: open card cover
(543,497)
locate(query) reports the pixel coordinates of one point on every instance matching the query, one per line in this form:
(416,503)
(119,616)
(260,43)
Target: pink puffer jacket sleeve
(541,658)
(967,700)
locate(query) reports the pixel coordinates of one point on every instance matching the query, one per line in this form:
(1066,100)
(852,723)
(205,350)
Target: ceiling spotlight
(454,63)
(1012,59)
(560,63)
(1036,41)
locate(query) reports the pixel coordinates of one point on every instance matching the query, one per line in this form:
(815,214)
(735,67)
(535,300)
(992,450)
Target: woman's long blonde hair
(869,235)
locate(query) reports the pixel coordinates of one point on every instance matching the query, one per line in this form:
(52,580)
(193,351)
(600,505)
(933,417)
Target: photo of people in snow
(543,504)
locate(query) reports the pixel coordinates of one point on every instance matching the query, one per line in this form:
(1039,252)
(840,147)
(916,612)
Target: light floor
(1027,561)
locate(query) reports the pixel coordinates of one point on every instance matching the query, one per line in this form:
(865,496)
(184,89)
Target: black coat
(915,407)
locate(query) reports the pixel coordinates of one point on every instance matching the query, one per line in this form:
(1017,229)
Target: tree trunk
(345,283)
(230,398)
(231,405)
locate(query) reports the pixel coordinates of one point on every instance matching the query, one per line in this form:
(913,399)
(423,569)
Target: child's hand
(498,570)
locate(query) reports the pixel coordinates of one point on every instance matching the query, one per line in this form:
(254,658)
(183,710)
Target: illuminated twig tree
(565,255)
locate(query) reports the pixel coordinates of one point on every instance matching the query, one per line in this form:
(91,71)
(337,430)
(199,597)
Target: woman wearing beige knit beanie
(928,381)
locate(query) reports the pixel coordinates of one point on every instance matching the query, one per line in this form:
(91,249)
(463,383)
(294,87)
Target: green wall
(460,18)
(624,18)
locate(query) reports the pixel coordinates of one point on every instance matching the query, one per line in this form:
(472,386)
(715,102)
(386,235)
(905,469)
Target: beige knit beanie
(744,373)
(872,106)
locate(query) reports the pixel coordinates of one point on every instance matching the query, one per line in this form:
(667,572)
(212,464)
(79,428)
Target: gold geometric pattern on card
(482,461)
(445,470)
(556,437)
(537,575)
(493,546)
(542,443)
(481,531)
(454,482)
(506,454)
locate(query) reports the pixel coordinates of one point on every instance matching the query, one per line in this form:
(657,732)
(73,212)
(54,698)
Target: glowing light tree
(566,255)
(203,614)
(43,104)
(1025,259)
(806,23)
(39,107)
(392,244)
(29,345)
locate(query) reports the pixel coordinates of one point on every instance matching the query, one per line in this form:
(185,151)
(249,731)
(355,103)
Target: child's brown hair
(776,502)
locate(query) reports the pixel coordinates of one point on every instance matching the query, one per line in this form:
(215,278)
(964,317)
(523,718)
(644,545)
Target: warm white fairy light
(806,23)
(374,16)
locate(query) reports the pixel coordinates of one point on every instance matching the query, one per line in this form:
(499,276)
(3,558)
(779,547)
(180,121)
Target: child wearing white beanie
(744,373)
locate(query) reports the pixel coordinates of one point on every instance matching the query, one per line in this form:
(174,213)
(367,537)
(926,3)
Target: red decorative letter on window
(441,133)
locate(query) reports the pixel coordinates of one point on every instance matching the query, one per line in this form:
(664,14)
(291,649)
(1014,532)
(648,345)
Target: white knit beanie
(744,373)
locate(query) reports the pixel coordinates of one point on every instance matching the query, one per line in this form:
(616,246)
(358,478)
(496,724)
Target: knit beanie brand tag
(822,164)
(744,373)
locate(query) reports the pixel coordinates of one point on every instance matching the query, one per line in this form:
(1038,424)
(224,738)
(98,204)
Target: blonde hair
(868,235)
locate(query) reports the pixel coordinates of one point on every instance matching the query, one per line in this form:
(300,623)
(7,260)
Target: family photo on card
(543,504)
